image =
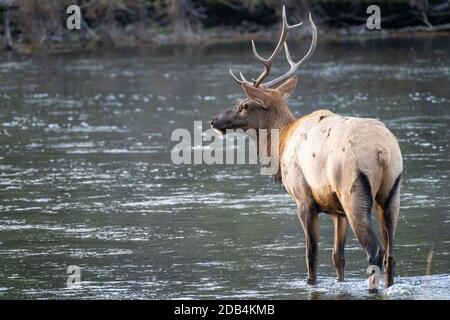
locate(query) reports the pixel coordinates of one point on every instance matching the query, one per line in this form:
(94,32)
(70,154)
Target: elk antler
(268,62)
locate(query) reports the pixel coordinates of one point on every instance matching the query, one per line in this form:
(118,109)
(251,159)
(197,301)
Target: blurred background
(86,176)
(29,24)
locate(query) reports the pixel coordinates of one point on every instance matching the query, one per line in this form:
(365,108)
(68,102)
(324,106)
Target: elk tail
(383,156)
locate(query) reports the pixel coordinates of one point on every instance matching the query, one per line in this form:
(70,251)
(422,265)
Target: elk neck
(283,120)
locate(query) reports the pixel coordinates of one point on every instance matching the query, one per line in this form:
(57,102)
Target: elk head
(264,107)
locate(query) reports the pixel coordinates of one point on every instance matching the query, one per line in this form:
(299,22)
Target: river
(86,176)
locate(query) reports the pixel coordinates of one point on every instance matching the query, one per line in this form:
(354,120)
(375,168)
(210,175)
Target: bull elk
(342,166)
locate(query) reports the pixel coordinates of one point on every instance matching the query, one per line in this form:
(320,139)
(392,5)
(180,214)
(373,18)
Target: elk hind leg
(357,204)
(388,211)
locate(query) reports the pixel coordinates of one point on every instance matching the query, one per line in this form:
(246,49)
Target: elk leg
(340,234)
(366,236)
(362,227)
(310,224)
(387,216)
(357,204)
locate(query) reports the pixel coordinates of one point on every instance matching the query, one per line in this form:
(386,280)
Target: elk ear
(256,94)
(288,87)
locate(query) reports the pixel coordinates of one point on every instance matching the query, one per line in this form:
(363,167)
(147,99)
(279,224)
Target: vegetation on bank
(29,24)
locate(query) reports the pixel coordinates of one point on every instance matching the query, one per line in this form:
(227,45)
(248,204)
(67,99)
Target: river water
(86,176)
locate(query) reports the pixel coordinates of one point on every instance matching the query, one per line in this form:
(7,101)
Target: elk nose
(213,120)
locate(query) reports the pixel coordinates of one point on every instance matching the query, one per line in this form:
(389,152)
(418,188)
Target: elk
(339,165)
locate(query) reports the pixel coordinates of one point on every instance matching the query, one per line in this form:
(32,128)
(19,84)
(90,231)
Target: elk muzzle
(228,119)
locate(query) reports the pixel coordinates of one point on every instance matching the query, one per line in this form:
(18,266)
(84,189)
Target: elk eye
(243,107)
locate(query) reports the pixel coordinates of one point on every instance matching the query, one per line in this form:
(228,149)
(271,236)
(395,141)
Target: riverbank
(29,26)
(210,38)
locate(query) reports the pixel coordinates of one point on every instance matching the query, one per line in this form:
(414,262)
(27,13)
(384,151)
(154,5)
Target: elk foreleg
(340,235)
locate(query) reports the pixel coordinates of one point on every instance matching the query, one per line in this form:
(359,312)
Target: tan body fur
(341,166)
(324,152)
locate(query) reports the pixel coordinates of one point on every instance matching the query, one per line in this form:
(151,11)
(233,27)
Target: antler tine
(295,66)
(243,78)
(242,81)
(288,55)
(268,62)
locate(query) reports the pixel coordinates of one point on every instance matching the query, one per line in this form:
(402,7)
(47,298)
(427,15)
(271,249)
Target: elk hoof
(311,281)
(373,290)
